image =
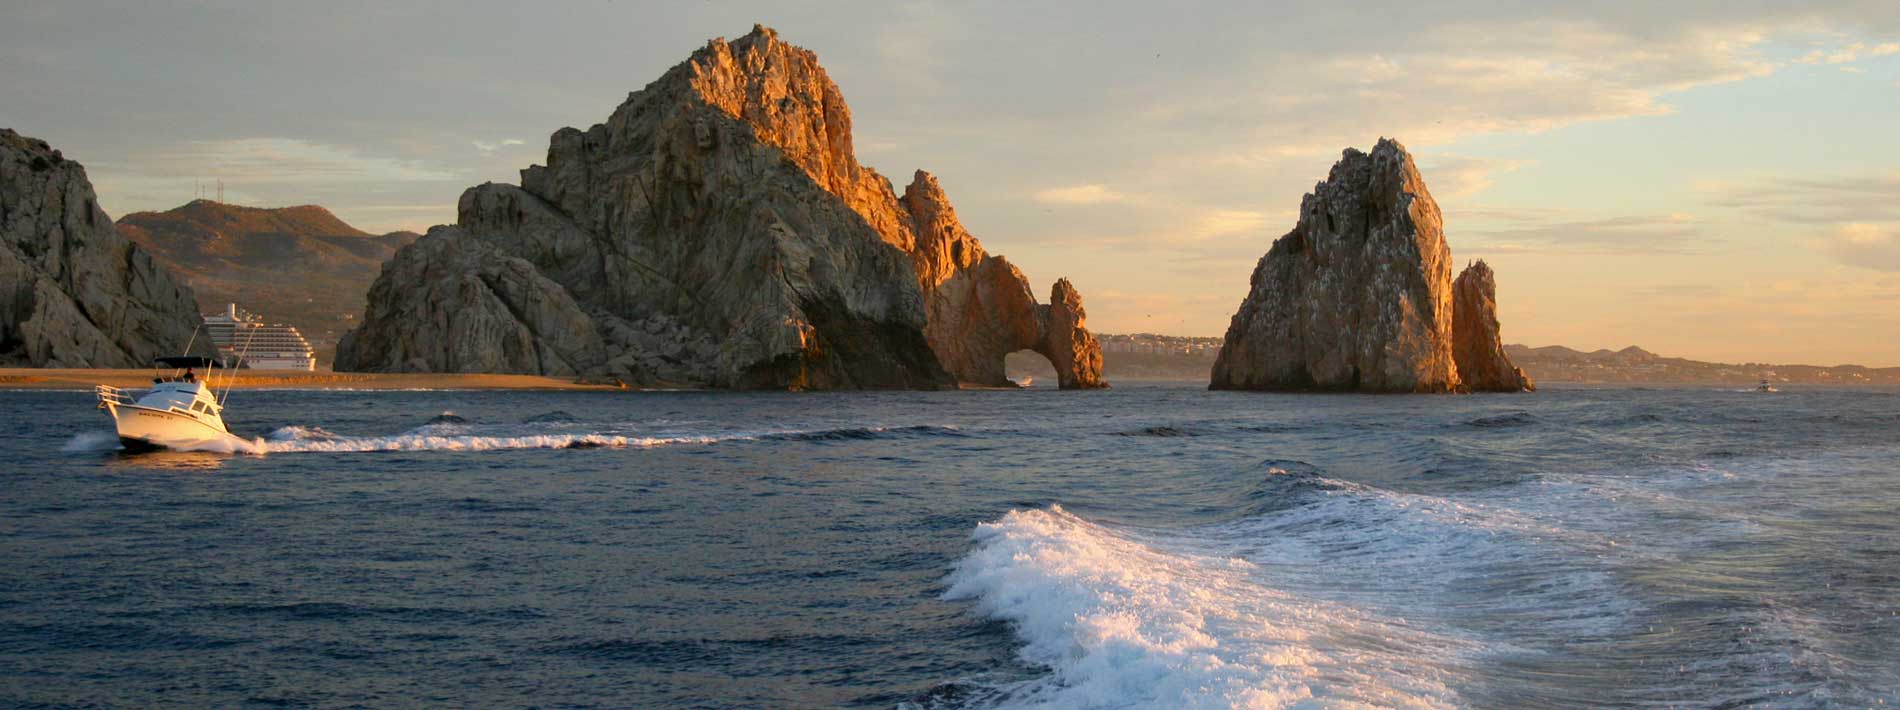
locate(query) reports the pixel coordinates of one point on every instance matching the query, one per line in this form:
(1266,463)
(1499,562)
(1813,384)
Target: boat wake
(1121,619)
(1327,594)
(450,432)
(451,437)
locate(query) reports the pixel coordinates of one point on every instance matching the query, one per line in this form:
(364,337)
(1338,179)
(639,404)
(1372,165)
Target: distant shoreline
(21,378)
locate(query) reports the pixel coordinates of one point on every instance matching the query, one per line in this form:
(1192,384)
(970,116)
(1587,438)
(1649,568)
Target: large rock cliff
(73,293)
(1359,295)
(718,231)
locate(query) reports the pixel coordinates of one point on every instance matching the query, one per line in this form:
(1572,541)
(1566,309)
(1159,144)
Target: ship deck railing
(111,395)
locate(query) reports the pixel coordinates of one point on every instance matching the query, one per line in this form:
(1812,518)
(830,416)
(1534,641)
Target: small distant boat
(181,412)
(1026,381)
(1765,387)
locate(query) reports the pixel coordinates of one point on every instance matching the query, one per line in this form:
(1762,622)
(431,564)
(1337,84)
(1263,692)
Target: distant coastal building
(1152,344)
(246,339)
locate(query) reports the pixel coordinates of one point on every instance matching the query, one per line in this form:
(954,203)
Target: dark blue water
(1141,547)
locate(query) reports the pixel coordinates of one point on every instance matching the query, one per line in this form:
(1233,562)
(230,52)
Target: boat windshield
(180,369)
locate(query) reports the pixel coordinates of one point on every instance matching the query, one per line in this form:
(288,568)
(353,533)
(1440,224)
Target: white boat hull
(144,429)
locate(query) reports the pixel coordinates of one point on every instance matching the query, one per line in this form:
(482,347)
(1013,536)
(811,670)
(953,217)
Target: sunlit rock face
(1476,343)
(73,293)
(718,231)
(1359,296)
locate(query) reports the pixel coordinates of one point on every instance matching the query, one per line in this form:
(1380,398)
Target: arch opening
(1028,368)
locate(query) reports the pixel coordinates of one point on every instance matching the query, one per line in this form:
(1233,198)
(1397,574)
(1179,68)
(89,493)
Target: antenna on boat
(194,337)
(229,377)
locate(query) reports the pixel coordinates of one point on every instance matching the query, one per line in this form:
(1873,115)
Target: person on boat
(189,376)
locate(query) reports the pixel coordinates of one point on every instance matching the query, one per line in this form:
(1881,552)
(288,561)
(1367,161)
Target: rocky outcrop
(494,313)
(73,293)
(1067,342)
(980,307)
(1358,296)
(1475,342)
(718,231)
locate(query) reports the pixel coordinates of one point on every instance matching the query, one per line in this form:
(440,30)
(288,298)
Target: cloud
(1842,55)
(1811,200)
(1559,231)
(1474,77)
(487,147)
(1078,195)
(1219,223)
(1460,176)
(1870,246)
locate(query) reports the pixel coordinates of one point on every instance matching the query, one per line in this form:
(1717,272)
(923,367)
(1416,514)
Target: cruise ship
(245,339)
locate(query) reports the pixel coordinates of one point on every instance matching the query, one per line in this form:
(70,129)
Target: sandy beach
(84,379)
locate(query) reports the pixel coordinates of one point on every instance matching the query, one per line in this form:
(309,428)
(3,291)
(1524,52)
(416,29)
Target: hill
(1157,357)
(1556,363)
(298,265)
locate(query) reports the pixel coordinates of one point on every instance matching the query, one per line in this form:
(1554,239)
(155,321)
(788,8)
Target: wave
(1159,431)
(1321,593)
(861,433)
(1507,420)
(1127,622)
(311,439)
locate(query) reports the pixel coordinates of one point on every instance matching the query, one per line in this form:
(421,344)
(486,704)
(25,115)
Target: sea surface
(1150,546)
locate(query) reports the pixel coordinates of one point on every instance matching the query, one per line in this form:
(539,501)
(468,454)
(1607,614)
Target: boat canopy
(181,362)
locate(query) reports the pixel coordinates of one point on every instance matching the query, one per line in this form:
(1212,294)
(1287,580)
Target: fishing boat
(181,412)
(1765,386)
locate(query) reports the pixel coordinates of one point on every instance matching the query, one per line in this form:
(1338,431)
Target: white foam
(1123,622)
(454,437)
(91,441)
(461,436)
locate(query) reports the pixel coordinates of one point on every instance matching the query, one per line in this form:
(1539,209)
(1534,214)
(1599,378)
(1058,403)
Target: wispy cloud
(1461,176)
(1813,200)
(1078,195)
(1558,231)
(490,147)
(1871,246)
(1220,223)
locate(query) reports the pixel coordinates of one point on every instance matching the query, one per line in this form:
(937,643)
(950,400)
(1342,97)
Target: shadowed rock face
(496,313)
(717,231)
(73,293)
(1358,296)
(1475,341)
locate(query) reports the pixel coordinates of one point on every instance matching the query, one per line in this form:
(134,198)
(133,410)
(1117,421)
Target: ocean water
(1143,547)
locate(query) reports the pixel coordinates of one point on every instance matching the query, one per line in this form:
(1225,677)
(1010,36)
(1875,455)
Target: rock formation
(1359,295)
(233,254)
(1475,343)
(980,307)
(73,293)
(718,231)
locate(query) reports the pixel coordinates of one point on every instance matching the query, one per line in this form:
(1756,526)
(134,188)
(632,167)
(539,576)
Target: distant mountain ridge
(1632,364)
(300,265)
(1550,363)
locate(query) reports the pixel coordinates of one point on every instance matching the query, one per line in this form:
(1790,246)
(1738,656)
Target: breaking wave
(1326,594)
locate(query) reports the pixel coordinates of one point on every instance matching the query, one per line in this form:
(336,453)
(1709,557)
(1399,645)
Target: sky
(1715,180)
